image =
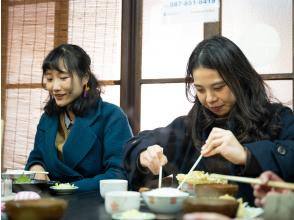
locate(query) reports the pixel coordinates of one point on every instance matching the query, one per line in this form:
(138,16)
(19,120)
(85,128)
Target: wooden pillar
(131,59)
(61,22)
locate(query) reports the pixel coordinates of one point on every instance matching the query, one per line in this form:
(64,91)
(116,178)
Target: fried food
(200,177)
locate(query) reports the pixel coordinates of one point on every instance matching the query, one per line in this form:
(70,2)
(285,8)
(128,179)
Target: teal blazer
(93,150)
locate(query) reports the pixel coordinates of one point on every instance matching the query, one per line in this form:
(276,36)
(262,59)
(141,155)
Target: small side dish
(63,188)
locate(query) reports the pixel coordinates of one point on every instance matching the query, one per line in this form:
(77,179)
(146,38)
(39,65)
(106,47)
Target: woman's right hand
(39,176)
(152,158)
(263,190)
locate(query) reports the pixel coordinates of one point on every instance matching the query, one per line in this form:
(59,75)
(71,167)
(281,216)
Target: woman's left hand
(224,142)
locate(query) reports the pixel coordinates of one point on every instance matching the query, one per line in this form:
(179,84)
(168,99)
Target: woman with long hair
(232,123)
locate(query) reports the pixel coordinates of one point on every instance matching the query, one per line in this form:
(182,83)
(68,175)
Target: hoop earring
(86,91)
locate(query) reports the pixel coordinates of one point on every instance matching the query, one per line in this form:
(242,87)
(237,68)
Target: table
(90,206)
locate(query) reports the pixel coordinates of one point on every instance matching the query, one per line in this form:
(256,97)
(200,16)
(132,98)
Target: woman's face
(63,86)
(212,92)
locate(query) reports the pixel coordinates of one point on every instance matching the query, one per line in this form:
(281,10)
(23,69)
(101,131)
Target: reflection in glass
(263,30)
(111,94)
(282,90)
(171,30)
(162,103)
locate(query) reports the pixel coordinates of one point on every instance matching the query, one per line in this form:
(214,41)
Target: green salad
(22,179)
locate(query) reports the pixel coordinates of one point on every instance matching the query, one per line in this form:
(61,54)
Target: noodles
(200,177)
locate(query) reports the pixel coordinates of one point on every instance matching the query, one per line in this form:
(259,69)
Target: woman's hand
(153,158)
(39,176)
(224,142)
(263,190)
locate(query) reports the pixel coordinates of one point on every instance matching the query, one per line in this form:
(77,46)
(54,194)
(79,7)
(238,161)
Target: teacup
(111,185)
(120,201)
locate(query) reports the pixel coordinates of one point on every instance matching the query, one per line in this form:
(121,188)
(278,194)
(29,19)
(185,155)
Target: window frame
(131,55)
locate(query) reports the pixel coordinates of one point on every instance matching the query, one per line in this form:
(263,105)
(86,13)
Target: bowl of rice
(165,200)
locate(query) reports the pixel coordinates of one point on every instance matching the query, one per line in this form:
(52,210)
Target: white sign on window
(189,10)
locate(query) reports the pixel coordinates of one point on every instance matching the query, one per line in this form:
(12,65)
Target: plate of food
(63,188)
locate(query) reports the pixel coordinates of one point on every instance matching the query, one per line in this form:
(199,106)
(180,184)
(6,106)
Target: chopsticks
(40,172)
(276,184)
(160,177)
(193,167)
(23,171)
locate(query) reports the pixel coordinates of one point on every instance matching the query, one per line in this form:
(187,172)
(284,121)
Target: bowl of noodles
(202,184)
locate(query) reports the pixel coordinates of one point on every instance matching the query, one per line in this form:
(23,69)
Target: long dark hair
(76,61)
(253,117)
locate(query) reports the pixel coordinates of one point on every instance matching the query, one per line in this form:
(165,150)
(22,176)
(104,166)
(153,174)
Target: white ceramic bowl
(111,185)
(165,200)
(119,201)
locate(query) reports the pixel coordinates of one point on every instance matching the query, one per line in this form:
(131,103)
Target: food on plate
(241,213)
(244,211)
(22,179)
(144,189)
(205,185)
(64,186)
(200,177)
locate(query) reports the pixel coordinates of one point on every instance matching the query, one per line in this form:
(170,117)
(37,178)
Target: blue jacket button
(281,150)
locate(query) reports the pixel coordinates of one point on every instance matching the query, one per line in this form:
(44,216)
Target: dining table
(90,206)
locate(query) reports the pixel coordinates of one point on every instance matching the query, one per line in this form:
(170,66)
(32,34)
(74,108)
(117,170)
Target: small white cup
(120,201)
(111,185)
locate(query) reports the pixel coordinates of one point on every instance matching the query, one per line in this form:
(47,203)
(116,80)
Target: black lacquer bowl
(37,186)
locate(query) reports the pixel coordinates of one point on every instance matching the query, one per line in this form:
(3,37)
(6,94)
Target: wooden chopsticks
(277,184)
(193,167)
(160,177)
(40,172)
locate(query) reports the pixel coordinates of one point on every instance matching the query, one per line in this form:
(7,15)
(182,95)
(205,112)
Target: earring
(86,91)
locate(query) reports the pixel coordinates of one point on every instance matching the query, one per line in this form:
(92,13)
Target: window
(139,50)
(266,40)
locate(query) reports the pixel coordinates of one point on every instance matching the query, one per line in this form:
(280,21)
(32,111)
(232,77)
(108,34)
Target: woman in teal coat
(79,138)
